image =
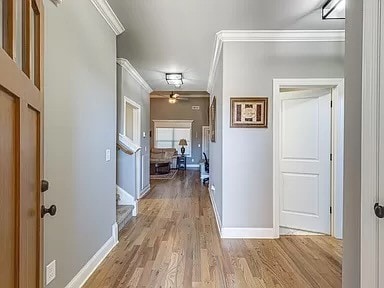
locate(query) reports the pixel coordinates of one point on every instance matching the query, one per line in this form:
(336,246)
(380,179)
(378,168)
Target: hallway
(174,242)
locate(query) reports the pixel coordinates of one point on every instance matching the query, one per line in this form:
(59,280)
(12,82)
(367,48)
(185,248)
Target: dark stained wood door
(21,153)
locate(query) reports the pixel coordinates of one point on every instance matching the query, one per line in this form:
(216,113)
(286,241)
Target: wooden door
(21,153)
(305,165)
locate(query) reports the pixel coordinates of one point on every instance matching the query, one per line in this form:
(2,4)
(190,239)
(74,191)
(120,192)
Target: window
(169,132)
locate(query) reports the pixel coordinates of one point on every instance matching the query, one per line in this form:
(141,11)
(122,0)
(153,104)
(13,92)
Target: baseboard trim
(247,233)
(193,166)
(203,176)
(145,191)
(215,211)
(88,269)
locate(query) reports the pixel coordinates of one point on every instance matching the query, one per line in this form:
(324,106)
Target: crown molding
(281,35)
(133,72)
(155,96)
(110,17)
(57,2)
(268,36)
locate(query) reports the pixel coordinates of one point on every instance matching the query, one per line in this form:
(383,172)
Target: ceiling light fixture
(174,79)
(333,9)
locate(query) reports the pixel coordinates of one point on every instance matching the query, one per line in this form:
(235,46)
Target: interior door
(305,165)
(21,155)
(380,212)
(205,148)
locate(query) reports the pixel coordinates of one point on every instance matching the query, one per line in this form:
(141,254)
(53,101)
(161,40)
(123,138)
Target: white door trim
(136,138)
(371,93)
(337,150)
(204,141)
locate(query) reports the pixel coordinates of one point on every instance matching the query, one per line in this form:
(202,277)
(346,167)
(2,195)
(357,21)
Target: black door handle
(51,210)
(379,210)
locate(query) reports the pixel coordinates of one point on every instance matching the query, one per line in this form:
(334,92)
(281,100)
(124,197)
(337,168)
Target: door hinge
(330,209)
(331,156)
(331,103)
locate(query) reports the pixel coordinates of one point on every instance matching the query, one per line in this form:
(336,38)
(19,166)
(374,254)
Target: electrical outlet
(50,272)
(108,155)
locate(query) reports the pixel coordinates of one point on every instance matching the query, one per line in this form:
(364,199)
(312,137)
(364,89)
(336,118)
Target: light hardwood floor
(174,242)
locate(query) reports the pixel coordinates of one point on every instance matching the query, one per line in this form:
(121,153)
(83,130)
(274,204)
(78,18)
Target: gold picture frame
(249,112)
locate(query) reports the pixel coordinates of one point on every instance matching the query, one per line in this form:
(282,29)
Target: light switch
(198,145)
(108,155)
(144,134)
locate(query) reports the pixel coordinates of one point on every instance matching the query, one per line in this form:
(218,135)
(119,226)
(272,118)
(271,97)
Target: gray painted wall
(249,68)
(80,124)
(216,148)
(352,149)
(128,86)
(161,109)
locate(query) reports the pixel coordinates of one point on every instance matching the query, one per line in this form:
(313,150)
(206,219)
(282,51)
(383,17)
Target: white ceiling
(178,35)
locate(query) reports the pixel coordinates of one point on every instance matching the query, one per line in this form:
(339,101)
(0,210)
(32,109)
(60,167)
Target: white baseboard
(239,233)
(203,176)
(85,272)
(291,231)
(247,233)
(218,221)
(145,191)
(193,165)
(126,199)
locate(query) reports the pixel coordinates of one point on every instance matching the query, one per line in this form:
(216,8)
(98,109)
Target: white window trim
(173,124)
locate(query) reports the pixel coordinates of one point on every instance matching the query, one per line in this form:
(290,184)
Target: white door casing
(337,187)
(305,165)
(380,201)
(372,92)
(380,166)
(205,140)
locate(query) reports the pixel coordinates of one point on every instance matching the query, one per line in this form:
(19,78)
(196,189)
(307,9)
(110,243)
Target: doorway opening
(308,156)
(129,143)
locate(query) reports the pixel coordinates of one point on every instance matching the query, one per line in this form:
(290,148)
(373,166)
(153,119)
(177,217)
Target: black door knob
(51,210)
(379,210)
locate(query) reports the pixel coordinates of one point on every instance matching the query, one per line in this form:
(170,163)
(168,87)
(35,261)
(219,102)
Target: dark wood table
(159,168)
(181,162)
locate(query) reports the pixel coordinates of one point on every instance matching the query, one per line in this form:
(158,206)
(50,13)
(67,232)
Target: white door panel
(305,168)
(381,192)
(300,117)
(304,187)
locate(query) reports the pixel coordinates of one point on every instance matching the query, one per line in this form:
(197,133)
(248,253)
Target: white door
(305,164)
(381,194)
(205,148)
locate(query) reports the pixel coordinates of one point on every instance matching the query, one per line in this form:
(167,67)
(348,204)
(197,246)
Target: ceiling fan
(174,97)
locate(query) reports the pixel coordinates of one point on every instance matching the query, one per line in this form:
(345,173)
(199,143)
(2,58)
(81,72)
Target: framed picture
(212,118)
(249,112)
